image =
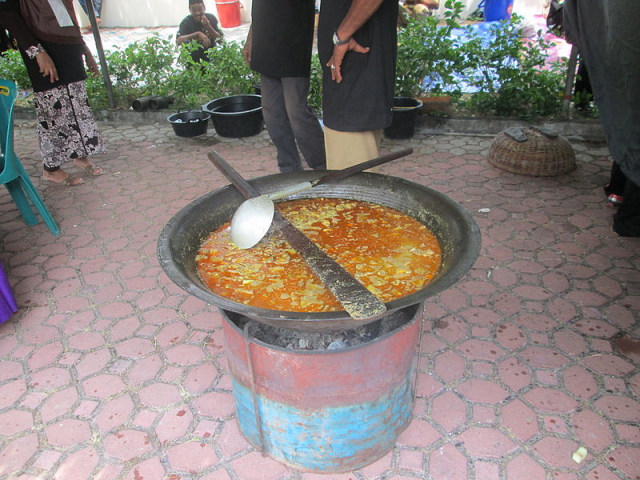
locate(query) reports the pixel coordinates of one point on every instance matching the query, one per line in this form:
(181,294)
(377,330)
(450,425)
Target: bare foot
(62,178)
(88,167)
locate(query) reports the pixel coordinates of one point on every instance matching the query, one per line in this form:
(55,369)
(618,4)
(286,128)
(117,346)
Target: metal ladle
(253,218)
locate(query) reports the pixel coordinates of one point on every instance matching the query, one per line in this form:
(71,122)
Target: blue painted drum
(325,410)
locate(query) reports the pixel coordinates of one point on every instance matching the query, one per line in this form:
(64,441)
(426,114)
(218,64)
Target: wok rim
(469,251)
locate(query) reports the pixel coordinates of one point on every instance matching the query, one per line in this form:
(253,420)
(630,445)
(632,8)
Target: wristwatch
(337,41)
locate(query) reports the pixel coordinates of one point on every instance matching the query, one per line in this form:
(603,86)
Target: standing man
(607,34)
(357,45)
(278,47)
(97,10)
(201,27)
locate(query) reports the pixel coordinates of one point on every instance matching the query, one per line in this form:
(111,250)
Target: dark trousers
(97,7)
(291,123)
(626,222)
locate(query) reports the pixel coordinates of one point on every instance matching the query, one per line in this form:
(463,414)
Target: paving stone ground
(109,371)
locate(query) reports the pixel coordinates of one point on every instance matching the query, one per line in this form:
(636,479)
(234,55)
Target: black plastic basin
(236,116)
(189,124)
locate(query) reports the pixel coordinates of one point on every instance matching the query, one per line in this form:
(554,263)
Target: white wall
(151,13)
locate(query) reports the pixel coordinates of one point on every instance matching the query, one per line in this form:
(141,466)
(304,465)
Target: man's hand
(339,51)
(205,22)
(246,51)
(203,39)
(211,32)
(47,67)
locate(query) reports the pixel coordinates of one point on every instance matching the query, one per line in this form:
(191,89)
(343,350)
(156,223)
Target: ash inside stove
(293,339)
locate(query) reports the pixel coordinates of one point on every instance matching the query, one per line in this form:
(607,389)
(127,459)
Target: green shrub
(12,68)
(315,88)
(142,68)
(512,76)
(427,50)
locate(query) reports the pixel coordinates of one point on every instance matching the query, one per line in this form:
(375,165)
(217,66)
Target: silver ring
(333,67)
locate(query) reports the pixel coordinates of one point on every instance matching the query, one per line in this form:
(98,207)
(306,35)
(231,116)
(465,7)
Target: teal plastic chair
(12,173)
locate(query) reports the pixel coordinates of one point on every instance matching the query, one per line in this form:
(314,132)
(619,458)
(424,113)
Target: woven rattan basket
(540,155)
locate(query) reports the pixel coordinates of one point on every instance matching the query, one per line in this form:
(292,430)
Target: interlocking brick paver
(514,373)
(449,411)
(58,404)
(486,442)
(103,386)
(557,452)
(601,473)
(254,467)
(448,462)
(93,362)
(127,444)
(619,408)
(46,459)
(67,432)
(420,433)
(449,366)
(78,465)
(45,355)
(482,391)
(544,357)
(550,400)
(174,424)
(159,395)
(609,364)
(50,379)
(14,454)
(480,350)
(593,430)
(115,413)
(14,421)
(112,372)
(523,466)
(86,341)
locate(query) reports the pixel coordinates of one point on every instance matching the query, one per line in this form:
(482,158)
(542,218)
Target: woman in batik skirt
(54,53)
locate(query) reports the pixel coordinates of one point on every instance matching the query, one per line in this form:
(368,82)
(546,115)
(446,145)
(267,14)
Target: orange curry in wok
(390,253)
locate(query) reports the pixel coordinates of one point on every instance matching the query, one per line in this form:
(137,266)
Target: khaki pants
(349,148)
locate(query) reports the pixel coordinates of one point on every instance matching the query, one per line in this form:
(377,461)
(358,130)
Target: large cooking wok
(456,231)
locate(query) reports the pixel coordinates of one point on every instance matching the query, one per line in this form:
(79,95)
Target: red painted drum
(332,408)
(228,13)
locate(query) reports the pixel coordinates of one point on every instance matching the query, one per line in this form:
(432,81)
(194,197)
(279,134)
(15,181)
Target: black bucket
(404,119)
(236,116)
(189,124)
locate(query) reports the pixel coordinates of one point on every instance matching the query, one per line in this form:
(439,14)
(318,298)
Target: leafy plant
(315,88)
(227,72)
(12,68)
(142,68)
(430,58)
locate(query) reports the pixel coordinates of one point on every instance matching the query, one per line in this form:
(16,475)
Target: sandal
(614,200)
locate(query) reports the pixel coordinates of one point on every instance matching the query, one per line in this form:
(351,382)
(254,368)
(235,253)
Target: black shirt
(364,99)
(282,37)
(189,25)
